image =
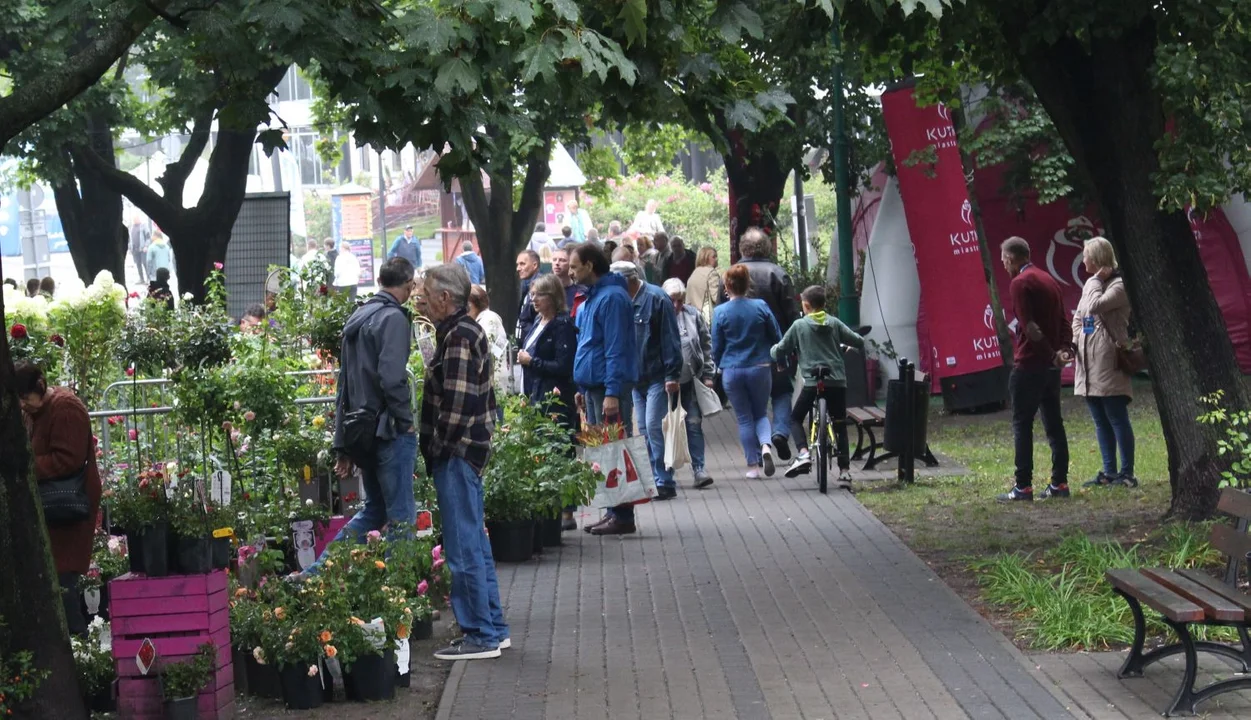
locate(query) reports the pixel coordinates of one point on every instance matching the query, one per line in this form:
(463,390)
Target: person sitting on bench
(818,338)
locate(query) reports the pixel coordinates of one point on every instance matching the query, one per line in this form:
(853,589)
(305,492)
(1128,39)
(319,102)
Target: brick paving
(751,599)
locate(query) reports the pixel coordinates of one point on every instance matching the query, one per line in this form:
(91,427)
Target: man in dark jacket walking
(1043,343)
(659,346)
(457,417)
(770,283)
(373,389)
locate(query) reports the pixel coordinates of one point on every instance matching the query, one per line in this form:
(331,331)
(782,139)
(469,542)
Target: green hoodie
(817,338)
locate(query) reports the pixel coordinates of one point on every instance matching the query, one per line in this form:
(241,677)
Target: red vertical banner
(1221,254)
(955,299)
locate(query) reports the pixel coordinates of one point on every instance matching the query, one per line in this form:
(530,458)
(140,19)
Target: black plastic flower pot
(511,541)
(134,550)
(239,664)
(536,541)
(263,680)
(194,554)
(105,700)
(154,549)
(299,690)
(423,629)
(220,549)
(371,678)
(549,528)
(182,709)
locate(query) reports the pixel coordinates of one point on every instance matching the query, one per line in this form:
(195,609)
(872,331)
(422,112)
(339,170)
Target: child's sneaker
(801,465)
(1055,491)
(844,480)
(1019,494)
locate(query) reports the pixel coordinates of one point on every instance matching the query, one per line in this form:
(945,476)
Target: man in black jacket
(770,283)
(527,271)
(373,376)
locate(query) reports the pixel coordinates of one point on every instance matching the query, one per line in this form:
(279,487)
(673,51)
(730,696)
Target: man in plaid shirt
(457,416)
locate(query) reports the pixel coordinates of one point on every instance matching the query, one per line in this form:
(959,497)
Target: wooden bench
(867,417)
(1187,598)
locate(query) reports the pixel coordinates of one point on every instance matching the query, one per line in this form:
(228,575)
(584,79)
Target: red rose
(322,290)
(57,340)
(130,372)
(18,331)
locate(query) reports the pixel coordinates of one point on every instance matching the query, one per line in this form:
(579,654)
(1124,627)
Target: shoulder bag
(65,500)
(1131,359)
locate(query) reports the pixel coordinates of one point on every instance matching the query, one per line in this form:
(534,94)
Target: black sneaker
(1055,491)
(1101,480)
(1018,494)
(1128,480)
(467,650)
(781,447)
(666,492)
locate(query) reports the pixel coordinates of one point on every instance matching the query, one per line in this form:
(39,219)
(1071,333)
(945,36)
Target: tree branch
(162,212)
(474,195)
(40,96)
(175,176)
(175,20)
(538,168)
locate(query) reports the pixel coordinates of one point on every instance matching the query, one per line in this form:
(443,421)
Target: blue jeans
(749,390)
(1113,430)
(595,416)
(651,404)
(475,590)
(783,391)
(694,425)
(388,494)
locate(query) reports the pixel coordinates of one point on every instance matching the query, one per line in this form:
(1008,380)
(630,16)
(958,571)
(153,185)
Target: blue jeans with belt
(389,498)
(475,597)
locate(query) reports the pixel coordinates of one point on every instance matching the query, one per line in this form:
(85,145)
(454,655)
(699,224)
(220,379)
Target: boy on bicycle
(817,338)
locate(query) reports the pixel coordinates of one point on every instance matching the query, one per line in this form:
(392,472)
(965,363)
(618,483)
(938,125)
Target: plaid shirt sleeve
(463,397)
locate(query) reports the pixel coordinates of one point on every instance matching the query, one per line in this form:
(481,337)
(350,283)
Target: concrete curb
(449,690)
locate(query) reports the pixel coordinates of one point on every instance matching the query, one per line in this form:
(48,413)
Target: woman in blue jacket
(743,331)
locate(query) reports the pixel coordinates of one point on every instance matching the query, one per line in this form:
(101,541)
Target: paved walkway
(751,599)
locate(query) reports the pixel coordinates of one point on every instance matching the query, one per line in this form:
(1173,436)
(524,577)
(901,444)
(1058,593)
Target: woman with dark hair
(547,357)
(61,441)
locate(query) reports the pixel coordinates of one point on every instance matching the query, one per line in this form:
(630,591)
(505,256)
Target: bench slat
(1232,594)
(878,413)
(1230,541)
(860,415)
(1216,607)
(1154,595)
(1235,502)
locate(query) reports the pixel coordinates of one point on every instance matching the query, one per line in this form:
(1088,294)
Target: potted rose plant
(93,657)
(181,683)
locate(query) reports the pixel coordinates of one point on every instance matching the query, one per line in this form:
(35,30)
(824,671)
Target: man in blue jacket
(469,260)
(605,365)
(407,247)
(659,346)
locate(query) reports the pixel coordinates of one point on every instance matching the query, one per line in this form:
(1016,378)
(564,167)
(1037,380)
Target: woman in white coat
(1100,327)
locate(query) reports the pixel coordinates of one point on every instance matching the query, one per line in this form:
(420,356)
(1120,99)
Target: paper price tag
(220,488)
(401,656)
(302,536)
(224,533)
(92,598)
(425,523)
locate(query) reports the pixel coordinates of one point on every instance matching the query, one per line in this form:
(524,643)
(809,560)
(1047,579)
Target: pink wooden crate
(186,644)
(131,586)
(323,535)
(211,704)
(175,623)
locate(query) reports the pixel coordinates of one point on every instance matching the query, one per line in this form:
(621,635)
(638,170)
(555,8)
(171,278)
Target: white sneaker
(844,480)
(766,458)
(753,474)
(801,466)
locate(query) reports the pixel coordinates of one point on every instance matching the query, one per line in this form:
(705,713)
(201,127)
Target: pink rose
(595,467)
(438,563)
(218,266)
(134,434)
(423,587)
(437,552)
(227,426)
(249,416)
(374,536)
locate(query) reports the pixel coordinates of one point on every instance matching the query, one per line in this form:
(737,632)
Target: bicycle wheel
(821,449)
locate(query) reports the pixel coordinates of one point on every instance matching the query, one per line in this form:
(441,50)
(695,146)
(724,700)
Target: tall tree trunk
(30,599)
(757,180)
(1102,102)
(91,212)
(502,230)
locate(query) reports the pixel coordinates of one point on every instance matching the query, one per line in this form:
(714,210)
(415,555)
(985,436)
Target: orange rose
(357,620)
(402,632)
(280,613)
(241,592)
(331,651)
(380,565)
(326,636)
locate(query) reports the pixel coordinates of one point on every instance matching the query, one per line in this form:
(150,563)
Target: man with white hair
(579,221)
(660,366)
(457,417)
(469,260)
(697,366)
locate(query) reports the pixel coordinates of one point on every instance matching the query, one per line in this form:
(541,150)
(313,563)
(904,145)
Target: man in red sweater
(1043,344)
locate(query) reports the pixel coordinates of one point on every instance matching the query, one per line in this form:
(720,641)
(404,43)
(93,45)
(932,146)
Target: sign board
(352,221)
(146,657)
(555,213)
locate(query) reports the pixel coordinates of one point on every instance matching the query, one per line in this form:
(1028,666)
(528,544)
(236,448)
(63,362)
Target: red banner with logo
(1227,274)
(959,335)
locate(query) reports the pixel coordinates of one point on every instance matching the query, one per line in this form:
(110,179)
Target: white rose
(188,296)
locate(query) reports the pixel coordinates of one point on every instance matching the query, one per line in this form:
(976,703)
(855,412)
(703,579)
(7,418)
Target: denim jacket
(656,336)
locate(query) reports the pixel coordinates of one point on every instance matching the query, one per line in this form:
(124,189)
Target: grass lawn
(1034,569)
